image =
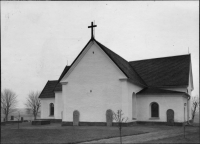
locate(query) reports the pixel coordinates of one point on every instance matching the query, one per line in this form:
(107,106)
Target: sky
(39,38)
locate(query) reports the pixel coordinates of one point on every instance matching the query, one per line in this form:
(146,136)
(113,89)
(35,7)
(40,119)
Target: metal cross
(92,28)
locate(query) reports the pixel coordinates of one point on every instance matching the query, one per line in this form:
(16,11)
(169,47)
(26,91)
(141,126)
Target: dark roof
(58,87)
(166,71)
(151,90)
(123,65)
(64,72)
(48,91)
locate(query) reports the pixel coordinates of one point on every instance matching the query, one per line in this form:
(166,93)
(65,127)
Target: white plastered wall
(185,101)
(186,90)
(58,105)
(92,87)
(130,101)
(45,109)
(165,102)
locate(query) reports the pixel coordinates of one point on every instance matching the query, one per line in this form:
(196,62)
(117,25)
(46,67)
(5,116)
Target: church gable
(118,61)
(93,62)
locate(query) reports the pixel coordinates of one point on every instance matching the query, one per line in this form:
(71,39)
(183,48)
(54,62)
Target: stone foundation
(53,120)
(97,124)
(123,124)
(158,123)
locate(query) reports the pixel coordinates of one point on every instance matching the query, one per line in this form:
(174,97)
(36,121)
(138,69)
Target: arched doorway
(170,117)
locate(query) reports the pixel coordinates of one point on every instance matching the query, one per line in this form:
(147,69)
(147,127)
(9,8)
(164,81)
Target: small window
(51,109)
(154,110)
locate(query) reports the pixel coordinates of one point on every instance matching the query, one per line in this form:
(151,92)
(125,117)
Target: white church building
(147,91)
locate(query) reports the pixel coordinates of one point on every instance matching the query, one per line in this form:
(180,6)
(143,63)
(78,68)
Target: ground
(189,138)
(55,133)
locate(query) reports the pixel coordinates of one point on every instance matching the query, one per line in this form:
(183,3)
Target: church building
(100,81)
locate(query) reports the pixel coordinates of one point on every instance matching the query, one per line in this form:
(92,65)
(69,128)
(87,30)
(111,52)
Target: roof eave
(43,89)
(170,86)
(137,83)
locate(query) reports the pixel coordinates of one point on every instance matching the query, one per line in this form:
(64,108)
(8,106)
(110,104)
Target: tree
(8,102)
(33,103)
(119,119)
(195,105)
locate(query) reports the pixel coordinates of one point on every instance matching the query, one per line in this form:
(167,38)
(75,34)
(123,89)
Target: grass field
(60,135)
(55,133)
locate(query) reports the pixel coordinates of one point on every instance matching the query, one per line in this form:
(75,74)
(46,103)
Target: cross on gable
(92,26)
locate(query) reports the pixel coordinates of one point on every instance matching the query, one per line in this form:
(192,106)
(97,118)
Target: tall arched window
(51,106)
(154,109)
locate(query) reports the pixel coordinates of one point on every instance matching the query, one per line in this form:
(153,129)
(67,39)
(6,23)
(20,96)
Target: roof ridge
(160,58)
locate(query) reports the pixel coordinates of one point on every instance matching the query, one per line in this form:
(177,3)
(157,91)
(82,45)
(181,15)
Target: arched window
(154,109)
(51,109)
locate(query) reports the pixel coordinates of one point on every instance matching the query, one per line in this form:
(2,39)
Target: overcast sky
(38,38)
